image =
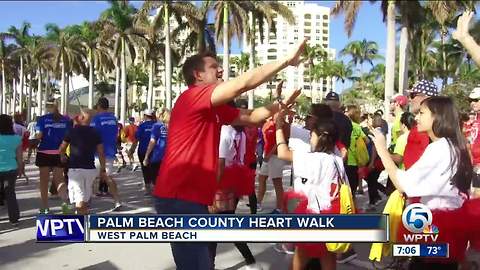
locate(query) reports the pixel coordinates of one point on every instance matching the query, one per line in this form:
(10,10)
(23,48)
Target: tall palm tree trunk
(444,57)
(117,88)
(151,73)
(91,82)
(226,45)
(403,62)
(4,90)
(168,61)
(251,93)
(123,95)
(29,99)
(63,98)
(67,92)
(39,92)
(14,96)
(390,59)
(22,83)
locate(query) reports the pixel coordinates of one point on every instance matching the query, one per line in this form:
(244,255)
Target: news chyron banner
(213,228)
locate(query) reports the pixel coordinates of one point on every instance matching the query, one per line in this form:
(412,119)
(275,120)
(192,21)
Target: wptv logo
(60,228)
(417,219)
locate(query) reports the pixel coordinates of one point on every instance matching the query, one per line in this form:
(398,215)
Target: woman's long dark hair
(6,125)
(446,125)
(327,136)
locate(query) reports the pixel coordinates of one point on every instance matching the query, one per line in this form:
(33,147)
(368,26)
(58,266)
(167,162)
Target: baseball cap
(475,94)
(148,112)
(50,101)
(400,99)
(332,96)
(131,119)
(103,103)
(425,87)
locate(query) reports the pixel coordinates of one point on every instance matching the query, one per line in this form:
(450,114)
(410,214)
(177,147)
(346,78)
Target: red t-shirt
(269,136)
(417,142)
(189,167)
(251,134)
(474,141)
(130,131)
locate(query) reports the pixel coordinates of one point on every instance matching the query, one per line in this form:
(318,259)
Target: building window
(325,38)
(325,17)
(272,57)
(272,50)
(325,31)
(306,87)
(308,24)
(325,24)
(317,38)
(317,31)
(308,16)
(318,17)
(307,31)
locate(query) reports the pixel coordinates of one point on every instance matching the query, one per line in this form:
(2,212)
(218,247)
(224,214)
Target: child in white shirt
(316,180)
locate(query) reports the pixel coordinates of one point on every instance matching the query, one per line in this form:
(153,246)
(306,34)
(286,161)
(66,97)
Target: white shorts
(108,166)
(273,168)
(80,183)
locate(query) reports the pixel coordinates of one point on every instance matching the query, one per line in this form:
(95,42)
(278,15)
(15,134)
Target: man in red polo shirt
(474,141)
(187,179)
(417,142)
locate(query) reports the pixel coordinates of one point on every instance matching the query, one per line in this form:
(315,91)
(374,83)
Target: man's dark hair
(379,112)
(6,125)
(103,103)
(321,111)
(408,119)
(194,63)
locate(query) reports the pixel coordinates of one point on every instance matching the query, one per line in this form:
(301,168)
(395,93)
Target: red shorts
(241,179)
(314,250)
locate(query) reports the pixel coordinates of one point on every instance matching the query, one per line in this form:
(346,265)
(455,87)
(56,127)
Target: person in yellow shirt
(407,120)
(398,106)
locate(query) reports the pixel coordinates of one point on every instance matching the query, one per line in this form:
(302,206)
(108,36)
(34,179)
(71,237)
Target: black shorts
(476,180)
(48,160)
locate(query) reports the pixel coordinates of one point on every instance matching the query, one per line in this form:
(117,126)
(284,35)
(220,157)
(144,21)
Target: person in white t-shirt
(440,179)
(316,174)
(230,167)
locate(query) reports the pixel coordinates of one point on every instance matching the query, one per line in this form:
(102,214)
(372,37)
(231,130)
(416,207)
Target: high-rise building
(312,22)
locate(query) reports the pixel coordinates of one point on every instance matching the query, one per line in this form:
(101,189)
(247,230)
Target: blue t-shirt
(106,125)
(52,131)
(8,152)
(143,135)
(159,134)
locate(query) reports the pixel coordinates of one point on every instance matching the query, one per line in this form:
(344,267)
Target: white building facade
(312,22)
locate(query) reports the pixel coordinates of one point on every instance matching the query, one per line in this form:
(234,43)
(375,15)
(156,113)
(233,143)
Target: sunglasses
(474,99)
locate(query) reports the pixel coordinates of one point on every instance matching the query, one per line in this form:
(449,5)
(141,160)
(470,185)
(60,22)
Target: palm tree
(6,64)
(236,14)
(264,11)
(118,26)
(68,58)
(314,55)
(95,50)
(351,8)
(40,55)
(361,51)
(167,9)
(20,35)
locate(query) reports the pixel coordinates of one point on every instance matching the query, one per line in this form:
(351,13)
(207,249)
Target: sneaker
(15,224)
(253,266)
(276,212)
(66,210)
(347,256)
(44,211)
(117,206)
(135,168)
(259,207)
(284,248)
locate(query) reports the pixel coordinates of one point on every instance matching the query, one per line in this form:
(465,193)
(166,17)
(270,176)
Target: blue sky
(369,24)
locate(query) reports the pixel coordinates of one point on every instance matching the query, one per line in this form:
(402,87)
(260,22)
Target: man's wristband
(280,143)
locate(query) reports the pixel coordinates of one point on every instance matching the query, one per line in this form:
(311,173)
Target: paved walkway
(18,249)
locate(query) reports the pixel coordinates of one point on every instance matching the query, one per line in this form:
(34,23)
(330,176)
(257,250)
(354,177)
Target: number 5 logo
(416,217)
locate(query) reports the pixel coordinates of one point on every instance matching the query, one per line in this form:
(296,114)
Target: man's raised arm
(464,37)
(227,91)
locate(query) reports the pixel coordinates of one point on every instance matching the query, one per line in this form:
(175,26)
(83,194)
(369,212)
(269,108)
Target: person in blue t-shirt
(51,129)
(143,136)
(105,123)
(155,151)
